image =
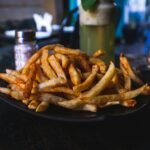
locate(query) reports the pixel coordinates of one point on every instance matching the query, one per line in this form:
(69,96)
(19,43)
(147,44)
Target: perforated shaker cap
(24,36)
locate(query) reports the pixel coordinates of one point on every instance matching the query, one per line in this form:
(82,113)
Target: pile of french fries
(71,79)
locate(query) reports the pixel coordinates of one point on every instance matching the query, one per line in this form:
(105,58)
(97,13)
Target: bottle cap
(24,36)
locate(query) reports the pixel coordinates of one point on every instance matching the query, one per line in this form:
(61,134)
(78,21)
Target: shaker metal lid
(24,35)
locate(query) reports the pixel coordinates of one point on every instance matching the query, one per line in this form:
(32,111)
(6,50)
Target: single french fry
(98,75)
(71,104)
(30,81)
(59,89)
(26,101)
(124,62)
(127,79)
(100,86)
(52,83)
(67,51)
(50,98)
(46,67)
(6,91)
(18,95)
(9,78)
(42,106)
(100,63)
(17,74)
(88,107)
(32,59)
(78,104)
(129,103)
(98,53)
(74,75)
(33,104)
(42,76)
(88,82)
(56,66)
(64,60)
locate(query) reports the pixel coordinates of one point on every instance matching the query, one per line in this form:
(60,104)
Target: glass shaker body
(24,48)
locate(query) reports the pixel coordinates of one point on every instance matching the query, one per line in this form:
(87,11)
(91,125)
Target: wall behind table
(23,9)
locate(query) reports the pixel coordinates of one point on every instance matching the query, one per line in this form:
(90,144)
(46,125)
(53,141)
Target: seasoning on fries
(71,79)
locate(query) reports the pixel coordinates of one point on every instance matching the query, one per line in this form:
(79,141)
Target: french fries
(46,67)
(56,66)
(100,86)
(74,75)
(71,79)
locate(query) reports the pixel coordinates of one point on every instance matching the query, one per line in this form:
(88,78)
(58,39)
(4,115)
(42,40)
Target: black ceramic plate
(61,114)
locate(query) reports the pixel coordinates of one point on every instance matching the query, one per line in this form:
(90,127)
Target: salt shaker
(25,46)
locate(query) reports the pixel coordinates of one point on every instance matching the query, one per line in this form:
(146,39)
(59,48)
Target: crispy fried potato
(42,106)
(98,53)
(9,78)
(88,82)
(81,61)
(18,95)
(64,60)
(56,66)
(124,62)
(60,89)
(46,67)
(127,79)
(71,79)
(36,56)
(78,104)
(100,63)
(33,104)
(117,97)
(29,84)
(26,101)
(52,83)
(74,75)
(129,103)
(49,98)
(100,86)
(17,74)
(67,51)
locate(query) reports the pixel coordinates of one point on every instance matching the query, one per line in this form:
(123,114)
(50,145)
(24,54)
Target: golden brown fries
(100,86)
(60,89)
(29,84)
(56,66)
(69,78)
(42,106)
(64,60)
(131,73)
(67,51)
(52,83)
(100,63)
(17,74)
(87,83)
(45,65)
(98,53)
(74,75)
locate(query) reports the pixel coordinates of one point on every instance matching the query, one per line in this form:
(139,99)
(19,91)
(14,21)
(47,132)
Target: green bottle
(97,28)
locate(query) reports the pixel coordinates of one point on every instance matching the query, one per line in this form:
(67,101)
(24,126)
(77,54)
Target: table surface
(20,130)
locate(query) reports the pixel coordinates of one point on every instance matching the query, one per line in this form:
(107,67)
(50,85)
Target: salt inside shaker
(25,46)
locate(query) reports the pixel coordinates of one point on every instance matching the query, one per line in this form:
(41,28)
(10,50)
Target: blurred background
(57,21)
